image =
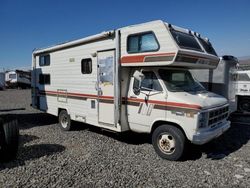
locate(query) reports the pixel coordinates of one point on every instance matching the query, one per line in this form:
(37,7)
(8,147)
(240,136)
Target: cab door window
(150,82)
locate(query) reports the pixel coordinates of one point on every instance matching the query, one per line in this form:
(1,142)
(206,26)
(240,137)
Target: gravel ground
(89,157)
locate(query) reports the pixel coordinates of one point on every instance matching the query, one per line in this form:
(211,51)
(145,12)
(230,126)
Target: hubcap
(64,121)
(166,143)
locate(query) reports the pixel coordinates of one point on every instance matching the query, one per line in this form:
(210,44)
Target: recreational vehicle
(18,79)
(2,80)
(242,87)
(221,79)
(135,78)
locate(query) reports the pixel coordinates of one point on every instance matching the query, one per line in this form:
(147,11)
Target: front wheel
(168,142)
(64,120)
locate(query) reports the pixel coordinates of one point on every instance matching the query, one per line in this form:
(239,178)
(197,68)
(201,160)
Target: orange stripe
(163,103)
(140,58)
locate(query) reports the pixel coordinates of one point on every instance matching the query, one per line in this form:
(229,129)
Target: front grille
(217,115)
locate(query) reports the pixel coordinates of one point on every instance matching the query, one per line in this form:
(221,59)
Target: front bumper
(203,137)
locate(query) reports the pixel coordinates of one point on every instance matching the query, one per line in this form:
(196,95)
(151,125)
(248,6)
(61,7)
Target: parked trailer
(134,78)
(2,80)
(242,87)
(18,79)
(221,79)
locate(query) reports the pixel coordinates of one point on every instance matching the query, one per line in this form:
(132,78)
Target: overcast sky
(29,24)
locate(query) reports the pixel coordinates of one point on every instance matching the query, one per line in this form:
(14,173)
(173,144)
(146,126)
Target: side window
(144,42)
(44,79)
(86,66)
(44,60)
(149,83)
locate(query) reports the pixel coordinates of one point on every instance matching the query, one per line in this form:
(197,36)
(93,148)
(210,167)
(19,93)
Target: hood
(204,99)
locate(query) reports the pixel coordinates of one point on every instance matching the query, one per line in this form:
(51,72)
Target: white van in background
(18,79)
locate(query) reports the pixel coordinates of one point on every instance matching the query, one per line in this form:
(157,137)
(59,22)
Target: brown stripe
(141,58)
(194,59)
(131,103)
(76,97)
(159,58)
(106,101)
(163,105)
(170,108)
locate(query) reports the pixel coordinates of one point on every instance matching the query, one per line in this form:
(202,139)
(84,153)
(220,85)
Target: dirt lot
(87,156)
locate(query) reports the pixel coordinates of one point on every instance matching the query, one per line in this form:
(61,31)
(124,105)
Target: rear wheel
(168,142)
(64,120)
(9,138)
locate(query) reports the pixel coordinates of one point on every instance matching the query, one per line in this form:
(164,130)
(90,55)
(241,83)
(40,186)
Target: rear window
(207,46)
(185,40)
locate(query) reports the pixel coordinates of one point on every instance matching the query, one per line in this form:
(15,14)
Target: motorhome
(2,80)
(242,88)
(221,79)
(18,79)
(134,78)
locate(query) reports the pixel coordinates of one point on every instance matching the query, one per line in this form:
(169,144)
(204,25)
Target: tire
(169,142)
(244,105)
(9,139)
(64,120)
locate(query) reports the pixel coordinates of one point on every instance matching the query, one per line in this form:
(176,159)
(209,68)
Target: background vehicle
(2,80)
(18,79)
(221,79)
(242,87)
(134,78)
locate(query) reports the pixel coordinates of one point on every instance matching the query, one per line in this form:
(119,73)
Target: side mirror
(138,76)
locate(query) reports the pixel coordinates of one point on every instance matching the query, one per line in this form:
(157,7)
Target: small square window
(44,60)
(44,79)
(86,66)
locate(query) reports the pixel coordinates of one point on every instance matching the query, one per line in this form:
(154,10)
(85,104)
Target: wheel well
(159,123)
(60,109)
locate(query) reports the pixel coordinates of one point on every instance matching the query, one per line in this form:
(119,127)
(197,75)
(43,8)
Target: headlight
(202,122)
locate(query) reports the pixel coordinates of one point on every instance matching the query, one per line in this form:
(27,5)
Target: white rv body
(18,78)
(2,80)
(221,79)
(104,95)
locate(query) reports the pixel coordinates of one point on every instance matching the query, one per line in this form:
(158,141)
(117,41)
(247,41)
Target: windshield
(185,40)
(179,81)
(207,46)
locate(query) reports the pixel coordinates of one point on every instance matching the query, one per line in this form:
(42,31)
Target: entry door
(106,86)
